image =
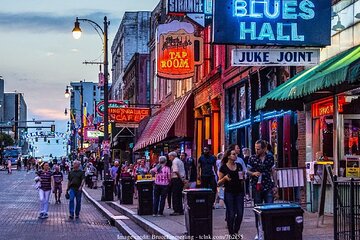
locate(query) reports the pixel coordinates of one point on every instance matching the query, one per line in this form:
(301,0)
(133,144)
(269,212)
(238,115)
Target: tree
(6,140)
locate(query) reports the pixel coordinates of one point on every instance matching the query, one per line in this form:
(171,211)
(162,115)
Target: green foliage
(6,139)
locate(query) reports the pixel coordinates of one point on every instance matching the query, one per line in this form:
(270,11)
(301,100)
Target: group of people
(233,179)
(50,181)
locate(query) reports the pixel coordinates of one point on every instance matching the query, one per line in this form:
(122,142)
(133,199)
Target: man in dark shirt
(206,171)
(76,181)
(260,168)
(58,178)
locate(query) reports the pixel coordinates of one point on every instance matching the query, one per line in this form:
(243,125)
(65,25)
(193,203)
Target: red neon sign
(327,107)
(128,115)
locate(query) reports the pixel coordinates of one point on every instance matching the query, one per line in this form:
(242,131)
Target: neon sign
(327,107)
(176,43)
(128,115)
(272,22)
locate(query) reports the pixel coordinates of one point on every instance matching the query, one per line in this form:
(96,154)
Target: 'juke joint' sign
(272,22)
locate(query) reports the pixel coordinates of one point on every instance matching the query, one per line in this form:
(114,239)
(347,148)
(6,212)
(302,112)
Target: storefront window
(242,103)
(351,136)
(323,138)
(232,109)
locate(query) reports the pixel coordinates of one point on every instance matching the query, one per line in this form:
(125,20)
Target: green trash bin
(279,221)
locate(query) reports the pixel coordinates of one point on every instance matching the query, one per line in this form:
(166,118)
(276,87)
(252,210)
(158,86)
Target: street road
(19,206)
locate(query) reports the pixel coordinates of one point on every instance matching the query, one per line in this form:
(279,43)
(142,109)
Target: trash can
(279,221)
(108,190)
(127,190)
(145,196)
(198,212)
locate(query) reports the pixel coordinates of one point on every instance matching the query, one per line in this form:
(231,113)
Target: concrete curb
(145,224)
(114,220)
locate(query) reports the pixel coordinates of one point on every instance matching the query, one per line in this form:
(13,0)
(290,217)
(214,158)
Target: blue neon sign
(272,22)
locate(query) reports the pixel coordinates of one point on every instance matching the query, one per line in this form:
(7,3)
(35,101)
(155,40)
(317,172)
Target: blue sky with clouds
(39,56)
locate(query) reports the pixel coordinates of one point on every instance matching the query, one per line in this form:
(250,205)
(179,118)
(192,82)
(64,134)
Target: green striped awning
(344,67)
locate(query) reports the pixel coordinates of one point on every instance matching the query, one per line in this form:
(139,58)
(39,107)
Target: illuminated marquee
(176,46)
(272,22)
(128,115)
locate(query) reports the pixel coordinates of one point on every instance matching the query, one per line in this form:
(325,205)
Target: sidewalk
(175,225)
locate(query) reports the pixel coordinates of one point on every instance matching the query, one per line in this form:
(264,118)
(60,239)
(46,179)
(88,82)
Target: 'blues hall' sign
(272,22)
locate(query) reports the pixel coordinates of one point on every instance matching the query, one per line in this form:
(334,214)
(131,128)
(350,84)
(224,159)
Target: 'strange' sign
(272,22)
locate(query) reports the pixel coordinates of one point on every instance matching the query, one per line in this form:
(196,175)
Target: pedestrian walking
(207,170)
(58,179)
(46,183)
(113,172)
(247,153)
(177,183)
(162,181)
(260,169)
(76,181)
(231,175)
(219,200)
(9,166)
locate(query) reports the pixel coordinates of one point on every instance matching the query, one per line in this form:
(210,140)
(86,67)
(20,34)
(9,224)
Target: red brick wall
(301,141)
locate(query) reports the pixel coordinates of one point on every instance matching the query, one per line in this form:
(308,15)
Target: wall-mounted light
(357,15)
(338,26)
(333,14)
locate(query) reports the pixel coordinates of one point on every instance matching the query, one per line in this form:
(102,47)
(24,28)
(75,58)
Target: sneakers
(77,216)
(71,216)
(160,215)
(43,215)
(256,237)
(154,215)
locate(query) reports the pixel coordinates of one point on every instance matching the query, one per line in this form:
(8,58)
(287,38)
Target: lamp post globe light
(77,34)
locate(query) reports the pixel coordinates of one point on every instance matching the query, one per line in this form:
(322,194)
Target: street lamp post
(77,34)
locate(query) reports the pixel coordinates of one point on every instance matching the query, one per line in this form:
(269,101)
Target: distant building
(132,37)
(15,113)
(91,97)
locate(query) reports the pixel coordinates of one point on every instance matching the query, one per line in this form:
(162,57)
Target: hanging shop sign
(275,57)
(178,50)
(272,22)
(128,115)
(200,11)
(92,134)
(112,104)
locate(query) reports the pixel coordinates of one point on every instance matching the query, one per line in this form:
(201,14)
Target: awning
(159,125)
(344,67)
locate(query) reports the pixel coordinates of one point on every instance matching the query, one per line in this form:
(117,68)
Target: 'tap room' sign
(272,22)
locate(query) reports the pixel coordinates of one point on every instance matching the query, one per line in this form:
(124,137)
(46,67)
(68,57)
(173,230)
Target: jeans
(209,182)
(160,192)
(44,197)
(75,194)
(234,211)
(261,197)
(177,187)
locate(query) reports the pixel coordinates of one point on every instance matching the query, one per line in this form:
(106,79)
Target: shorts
(57,188)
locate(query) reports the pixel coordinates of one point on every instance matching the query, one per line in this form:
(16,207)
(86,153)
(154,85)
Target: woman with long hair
(231,175)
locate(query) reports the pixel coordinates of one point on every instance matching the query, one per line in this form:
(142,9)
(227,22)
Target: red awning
(159,125)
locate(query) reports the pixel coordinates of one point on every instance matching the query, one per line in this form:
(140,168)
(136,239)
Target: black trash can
(198,212)
(108,190)
(279,221)
(127,190)
(145,196)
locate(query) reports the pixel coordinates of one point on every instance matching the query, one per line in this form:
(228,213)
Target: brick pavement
(19,206)
(175,225)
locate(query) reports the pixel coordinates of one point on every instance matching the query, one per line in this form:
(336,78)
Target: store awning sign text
(112,104)
(275,57)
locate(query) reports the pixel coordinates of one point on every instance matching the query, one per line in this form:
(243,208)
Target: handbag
(67,195)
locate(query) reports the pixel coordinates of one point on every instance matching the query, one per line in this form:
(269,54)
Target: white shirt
(177,166)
